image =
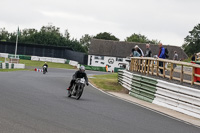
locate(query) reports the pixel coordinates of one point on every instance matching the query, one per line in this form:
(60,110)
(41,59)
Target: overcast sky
(166,20)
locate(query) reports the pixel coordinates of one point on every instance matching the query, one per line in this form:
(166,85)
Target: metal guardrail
(147,65)
(173,96)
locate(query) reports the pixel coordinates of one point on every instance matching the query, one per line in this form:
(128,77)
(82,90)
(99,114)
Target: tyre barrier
(11,66)
(177,97)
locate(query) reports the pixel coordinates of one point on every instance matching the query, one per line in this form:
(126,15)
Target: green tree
(106,36)
(4,35)
(137,38)
(67,35)
(47,35)
(85,41)
(154,41)
(192,41)
(141,39)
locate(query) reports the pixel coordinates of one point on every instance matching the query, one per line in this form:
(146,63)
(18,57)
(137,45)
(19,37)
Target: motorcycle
(44,69)
(77,88)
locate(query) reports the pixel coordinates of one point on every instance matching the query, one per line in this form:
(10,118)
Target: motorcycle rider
(79,74)
(45,64)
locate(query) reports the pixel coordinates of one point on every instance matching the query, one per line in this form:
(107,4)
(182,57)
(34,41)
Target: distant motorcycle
(77,88)
(44,69)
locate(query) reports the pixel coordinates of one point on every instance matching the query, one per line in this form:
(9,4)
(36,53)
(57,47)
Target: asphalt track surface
(31,102)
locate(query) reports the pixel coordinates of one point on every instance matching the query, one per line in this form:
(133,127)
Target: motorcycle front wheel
(79,92)
(44,71)
(69,93)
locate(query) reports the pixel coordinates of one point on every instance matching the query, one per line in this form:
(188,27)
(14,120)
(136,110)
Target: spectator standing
(175,58)
(161,54)
(148,52)
(135,53)
(139,50)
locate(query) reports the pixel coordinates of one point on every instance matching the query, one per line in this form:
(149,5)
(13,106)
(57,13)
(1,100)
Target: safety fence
(48,59)
(173,96)
(153,66)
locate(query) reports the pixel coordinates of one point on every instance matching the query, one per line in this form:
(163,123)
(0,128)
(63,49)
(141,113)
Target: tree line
(192,41)
(51,35)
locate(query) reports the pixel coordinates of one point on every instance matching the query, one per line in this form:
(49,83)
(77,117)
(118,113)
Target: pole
(16,42)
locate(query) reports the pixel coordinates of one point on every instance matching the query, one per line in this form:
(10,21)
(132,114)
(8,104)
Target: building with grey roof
(113,53)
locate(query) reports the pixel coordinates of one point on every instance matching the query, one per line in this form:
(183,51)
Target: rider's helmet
(82,68)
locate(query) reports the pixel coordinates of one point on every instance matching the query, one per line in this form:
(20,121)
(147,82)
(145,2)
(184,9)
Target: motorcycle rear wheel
(44,71)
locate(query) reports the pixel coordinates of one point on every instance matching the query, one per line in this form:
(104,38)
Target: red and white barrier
(38,70)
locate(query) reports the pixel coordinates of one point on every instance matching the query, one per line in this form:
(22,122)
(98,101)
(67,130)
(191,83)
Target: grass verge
(11,70)
(2,59)
(50,64)
(107,82)
(41,63)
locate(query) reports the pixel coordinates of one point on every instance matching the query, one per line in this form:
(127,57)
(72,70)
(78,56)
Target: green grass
(11,70)
(2,59)
(106,82)
(50,64)
(41,63)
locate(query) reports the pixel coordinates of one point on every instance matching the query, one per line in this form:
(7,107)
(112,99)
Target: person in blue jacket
(161,54)
(135,53)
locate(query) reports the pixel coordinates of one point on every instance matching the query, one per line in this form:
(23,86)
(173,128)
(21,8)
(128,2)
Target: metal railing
(147,65)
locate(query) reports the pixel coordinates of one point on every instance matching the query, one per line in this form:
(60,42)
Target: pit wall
(177,97)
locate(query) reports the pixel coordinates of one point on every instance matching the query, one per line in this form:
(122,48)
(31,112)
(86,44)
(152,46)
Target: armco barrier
(57,60)
(45,59)
(67,61)
(25,57)
(35,58)
(73,63)
(48,59)
(173,96)
(5,55)
(22,66)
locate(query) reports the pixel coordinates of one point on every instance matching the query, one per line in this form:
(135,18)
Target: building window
(102,63)
(96,62)
(119,59)
(99,57)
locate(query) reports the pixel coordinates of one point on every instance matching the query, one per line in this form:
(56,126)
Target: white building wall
(106,60)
